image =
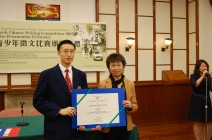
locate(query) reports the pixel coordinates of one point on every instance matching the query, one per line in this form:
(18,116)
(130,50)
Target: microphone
(207,74)
(22,112)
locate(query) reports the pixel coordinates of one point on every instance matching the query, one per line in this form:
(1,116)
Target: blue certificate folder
(121,113)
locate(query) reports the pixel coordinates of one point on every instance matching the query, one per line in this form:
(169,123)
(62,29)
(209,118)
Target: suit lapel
(75,80)
(60,78)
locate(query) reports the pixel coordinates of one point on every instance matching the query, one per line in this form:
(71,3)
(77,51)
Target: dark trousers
(117,133)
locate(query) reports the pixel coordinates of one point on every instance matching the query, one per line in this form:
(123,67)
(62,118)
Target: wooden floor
(168,131)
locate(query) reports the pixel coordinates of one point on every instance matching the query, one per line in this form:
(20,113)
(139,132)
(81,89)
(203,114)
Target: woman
(197,109)
(116,63)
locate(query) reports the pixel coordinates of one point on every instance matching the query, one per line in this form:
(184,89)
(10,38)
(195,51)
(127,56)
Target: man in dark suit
(52,96)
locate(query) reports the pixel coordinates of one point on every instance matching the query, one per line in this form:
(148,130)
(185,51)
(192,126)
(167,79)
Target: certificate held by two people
(101,107)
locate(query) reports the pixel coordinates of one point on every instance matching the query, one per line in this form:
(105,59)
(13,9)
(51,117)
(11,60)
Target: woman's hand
(81,128)
(127,104)
(204,72)
(97,128)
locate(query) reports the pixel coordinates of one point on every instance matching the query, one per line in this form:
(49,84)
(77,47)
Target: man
(52,96)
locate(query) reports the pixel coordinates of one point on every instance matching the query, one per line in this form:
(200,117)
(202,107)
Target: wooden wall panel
(25,79)
(34,79)
(163,17)
(3,79)
(1,101)
(145,7)
(104,6)
(192,48)
(192,17)
(145,32)
(129,72)
(145,68)
(127,17)
(158,103)
(179,34)
(179,60)
(179,4)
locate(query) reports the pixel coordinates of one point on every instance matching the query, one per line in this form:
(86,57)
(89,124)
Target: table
(34,130)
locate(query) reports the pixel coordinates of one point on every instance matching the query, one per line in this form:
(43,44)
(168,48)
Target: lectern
(175,77)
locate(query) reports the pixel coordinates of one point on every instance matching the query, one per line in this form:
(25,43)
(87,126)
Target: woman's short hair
(115,57)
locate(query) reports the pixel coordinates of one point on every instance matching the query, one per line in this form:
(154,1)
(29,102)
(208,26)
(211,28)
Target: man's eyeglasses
(67,51)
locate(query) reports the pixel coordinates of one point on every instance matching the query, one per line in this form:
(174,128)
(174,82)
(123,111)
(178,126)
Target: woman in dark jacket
(200,80)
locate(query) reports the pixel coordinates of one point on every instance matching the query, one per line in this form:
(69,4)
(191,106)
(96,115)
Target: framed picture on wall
(42,12)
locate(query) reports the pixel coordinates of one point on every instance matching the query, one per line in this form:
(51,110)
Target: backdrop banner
(31,46)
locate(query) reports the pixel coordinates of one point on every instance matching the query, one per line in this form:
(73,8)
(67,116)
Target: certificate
(99,107)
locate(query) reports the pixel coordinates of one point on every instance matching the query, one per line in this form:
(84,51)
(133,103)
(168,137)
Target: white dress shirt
(70,73)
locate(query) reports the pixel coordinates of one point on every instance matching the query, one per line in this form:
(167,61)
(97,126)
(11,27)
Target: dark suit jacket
(51,95)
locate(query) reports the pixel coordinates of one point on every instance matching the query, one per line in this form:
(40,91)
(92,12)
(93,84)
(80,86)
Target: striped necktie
(68,81)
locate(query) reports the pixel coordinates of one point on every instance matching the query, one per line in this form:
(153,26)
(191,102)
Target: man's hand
(68,111)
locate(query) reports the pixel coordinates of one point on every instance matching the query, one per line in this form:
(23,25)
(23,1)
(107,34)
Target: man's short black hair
(65,42)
